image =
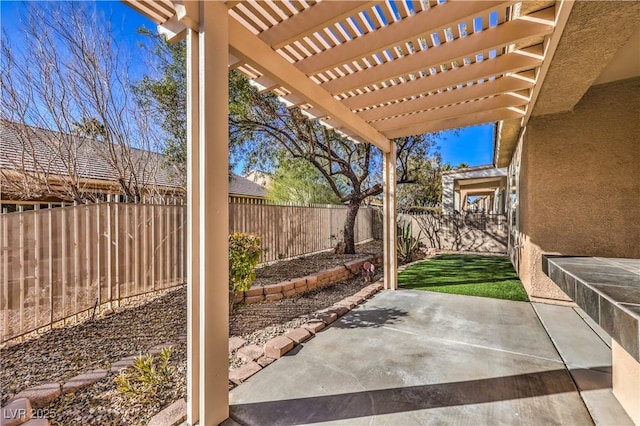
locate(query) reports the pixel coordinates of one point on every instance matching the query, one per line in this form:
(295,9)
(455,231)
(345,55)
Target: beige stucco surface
(580,183)
(626,381)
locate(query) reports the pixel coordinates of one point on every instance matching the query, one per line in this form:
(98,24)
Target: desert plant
(148,376)
(408,246)
(244,255)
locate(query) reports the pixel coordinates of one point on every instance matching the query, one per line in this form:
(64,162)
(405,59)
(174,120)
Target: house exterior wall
(579,184)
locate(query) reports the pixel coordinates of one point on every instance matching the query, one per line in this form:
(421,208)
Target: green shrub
(148,376)
(244,255)
(408,246)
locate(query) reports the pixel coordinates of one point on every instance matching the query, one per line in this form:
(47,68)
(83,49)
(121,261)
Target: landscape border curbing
(301,285)
(280,345)
(43,394)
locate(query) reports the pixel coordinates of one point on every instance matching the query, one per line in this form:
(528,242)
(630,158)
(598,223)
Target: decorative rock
(273,297)
(16,412)
(250,353)
(36,422)
(83,380)
(236,343)
(273,288)
(253,299)
(263,361)
(158,348)
(277,347)
(314,326)
(41,396)
(327,317)
(242,373)
(173,415)
(298,335)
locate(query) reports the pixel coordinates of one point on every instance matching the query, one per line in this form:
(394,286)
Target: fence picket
(129,250)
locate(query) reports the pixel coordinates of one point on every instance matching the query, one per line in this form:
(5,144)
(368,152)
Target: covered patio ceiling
(373,71)
(378,70)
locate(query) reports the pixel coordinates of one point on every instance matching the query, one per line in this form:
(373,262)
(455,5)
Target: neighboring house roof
(261,178)
(243,186)
(469,169)
(36,150)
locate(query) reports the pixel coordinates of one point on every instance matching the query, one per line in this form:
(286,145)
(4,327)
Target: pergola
(372,70)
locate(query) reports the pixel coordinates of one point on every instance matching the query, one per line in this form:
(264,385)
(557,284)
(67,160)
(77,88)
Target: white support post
(213,213)
(389,220)
(193,240)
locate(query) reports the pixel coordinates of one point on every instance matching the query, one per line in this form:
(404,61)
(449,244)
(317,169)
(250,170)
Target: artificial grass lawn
(472,275)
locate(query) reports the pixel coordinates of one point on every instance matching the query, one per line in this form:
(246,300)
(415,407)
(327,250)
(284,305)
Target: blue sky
(472,145)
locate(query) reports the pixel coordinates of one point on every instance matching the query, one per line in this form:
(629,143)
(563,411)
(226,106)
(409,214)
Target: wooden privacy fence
(290,231)
(57,263)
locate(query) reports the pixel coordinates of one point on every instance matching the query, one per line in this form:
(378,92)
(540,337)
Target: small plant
(244,255)
(148,376)
(408,246)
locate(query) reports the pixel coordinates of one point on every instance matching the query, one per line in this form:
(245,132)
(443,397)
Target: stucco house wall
(579,180)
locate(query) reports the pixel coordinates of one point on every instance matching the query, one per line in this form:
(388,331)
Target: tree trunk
(349,224)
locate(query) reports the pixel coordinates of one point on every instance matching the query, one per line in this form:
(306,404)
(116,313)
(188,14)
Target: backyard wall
(579,184)
(461,232)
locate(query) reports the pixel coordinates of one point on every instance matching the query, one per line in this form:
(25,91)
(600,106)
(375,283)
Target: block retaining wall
(301,285)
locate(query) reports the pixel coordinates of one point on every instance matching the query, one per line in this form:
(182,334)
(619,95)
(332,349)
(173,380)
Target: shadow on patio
(413,357)
(330,408)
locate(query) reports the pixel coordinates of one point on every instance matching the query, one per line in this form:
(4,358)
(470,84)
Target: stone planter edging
(290,288)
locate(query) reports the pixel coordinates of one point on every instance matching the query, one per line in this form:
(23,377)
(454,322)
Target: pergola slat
(510,32)
(423,23)
(477,91)
(509,63)
(454,123)
(245,46)
(309,21)
(458,110)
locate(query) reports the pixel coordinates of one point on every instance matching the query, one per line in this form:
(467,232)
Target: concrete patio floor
(411,357)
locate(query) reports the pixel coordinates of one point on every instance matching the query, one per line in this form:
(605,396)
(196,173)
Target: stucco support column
(193,240)
(389,220)
(208,392)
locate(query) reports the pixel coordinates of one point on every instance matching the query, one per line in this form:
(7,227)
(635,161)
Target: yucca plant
(407,245)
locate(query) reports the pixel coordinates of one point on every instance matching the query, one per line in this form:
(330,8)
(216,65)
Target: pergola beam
(245,46)
(454,123)
(435,19)
(509,63)
(459,110)
(495,38)
(309,21)
(449,97)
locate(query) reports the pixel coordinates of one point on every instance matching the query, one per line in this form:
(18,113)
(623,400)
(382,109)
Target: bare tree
(69,76)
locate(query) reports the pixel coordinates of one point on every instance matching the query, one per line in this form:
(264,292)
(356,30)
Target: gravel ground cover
(65,352)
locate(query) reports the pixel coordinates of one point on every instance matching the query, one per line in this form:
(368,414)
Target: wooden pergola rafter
(372,70)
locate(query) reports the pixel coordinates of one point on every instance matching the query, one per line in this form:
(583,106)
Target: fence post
(36,233)
(4,251)
(109,254)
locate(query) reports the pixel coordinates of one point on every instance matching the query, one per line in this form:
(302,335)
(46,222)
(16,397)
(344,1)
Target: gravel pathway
(65,352)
